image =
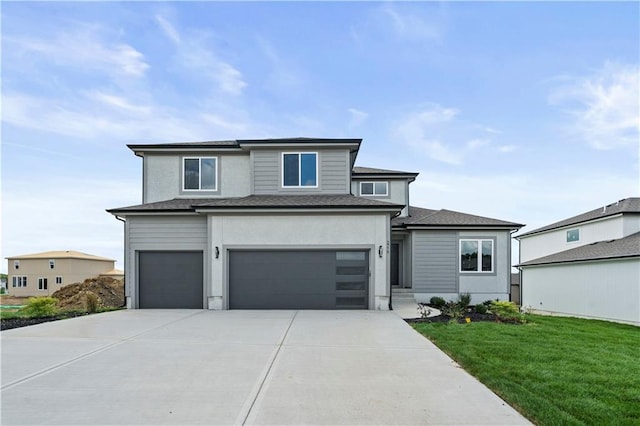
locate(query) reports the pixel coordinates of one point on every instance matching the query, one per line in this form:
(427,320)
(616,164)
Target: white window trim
(19,281)
(41,281)
(184,180)
(59,280)
(52,264)
(479,241)
(299,170)
(566,236)
(386,185)
(16,264)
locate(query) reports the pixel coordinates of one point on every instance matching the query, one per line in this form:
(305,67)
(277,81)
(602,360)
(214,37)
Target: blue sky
(526,112)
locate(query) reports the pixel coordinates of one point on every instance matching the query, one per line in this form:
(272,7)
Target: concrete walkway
(237,367)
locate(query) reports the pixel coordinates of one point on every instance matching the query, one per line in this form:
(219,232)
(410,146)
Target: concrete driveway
(237,367)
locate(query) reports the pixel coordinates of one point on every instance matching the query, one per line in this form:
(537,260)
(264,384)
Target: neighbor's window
(469,251)
(374,188)
(19,281)
(573,235)
(52,264)
(16,264)
(200,174)
(58,280)
(42,284)
(300,169)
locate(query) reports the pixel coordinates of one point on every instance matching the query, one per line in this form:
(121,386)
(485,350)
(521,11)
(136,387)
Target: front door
(395,264)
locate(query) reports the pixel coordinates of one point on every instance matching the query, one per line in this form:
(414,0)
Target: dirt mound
(110,293)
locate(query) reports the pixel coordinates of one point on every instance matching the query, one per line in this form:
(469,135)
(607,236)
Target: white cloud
(507,148)
(357,117)
(83,48)
(477,143)
(605,106)
(411,25)
(194,53)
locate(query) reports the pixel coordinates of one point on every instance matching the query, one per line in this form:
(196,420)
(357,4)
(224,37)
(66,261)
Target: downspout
(124,290)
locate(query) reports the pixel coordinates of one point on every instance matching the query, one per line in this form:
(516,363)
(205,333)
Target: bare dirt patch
(109,291)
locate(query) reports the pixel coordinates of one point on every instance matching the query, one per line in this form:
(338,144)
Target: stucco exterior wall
(71,271)
(300,231)
(163,176)
(544,244)
(599,289)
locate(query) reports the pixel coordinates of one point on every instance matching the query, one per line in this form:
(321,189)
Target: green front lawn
(555,371)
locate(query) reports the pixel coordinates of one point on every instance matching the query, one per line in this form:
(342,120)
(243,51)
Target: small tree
(40,307)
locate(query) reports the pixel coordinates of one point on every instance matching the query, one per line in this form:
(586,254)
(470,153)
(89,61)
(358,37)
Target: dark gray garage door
(170,279)
(299,279)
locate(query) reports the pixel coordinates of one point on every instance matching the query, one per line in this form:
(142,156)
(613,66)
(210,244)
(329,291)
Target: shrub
(40,307)
(506,311)
(2,290)
(437,302)
(464,299)
(91,302)
(481,308)
(453,309)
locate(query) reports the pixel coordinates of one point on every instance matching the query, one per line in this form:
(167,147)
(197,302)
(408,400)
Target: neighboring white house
(587,265)
(292,224)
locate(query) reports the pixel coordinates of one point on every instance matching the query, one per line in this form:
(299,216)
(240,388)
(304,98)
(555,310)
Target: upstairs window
(16,264)
(300,169)
(573,235)
(471,250)
(200,174)
(374,188)
(52,264)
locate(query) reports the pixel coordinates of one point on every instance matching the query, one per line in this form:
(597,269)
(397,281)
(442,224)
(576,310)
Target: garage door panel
(170,280)
(298,280)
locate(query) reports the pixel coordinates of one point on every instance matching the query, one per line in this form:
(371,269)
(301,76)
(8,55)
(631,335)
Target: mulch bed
(472,315)
(9,323)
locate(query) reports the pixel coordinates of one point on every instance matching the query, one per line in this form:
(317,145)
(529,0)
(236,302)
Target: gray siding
(167,232)
(435,262)
(333,173)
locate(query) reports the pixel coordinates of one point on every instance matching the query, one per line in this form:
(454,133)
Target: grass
(554,370)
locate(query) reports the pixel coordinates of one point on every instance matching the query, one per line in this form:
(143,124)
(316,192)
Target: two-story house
(42,274)
(292,224)
(587,265)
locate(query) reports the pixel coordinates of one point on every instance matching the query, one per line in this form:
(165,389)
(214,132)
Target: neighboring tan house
(587,265)
(292,224)
(41,274)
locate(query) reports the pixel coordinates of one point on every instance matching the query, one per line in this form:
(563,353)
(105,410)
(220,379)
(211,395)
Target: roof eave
(558,262)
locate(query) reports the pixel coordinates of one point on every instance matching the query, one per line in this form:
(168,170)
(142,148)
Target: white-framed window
(300,169)
(471,250)
(42,284)
(374,188)
(52,264)
(573,235)
(58,280)
(200,174)
(17,281)
(16,264)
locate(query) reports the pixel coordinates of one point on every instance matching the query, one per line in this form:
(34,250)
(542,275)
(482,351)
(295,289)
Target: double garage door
(273,279)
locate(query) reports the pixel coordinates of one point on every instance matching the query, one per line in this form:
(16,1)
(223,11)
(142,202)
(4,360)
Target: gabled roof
(371,172)
(628,246)
(419,217)
(319,201)
(61,254)
(627,205)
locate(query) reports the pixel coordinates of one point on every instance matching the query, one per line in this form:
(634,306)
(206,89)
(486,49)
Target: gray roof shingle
(628,246)
(238,142)
(317,201)
(371,171)
(434,218)
(627,205)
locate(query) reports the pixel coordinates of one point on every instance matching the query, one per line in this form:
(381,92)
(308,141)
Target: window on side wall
(19,281)
(16,264)
(42,284)
(58,280)
(476,255)
(300,169)
(573,235)
(52,264)
(374,188)
(200,174)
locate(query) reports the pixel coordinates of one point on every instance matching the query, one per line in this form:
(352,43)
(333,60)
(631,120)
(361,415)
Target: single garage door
(170,279)
(298,279)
